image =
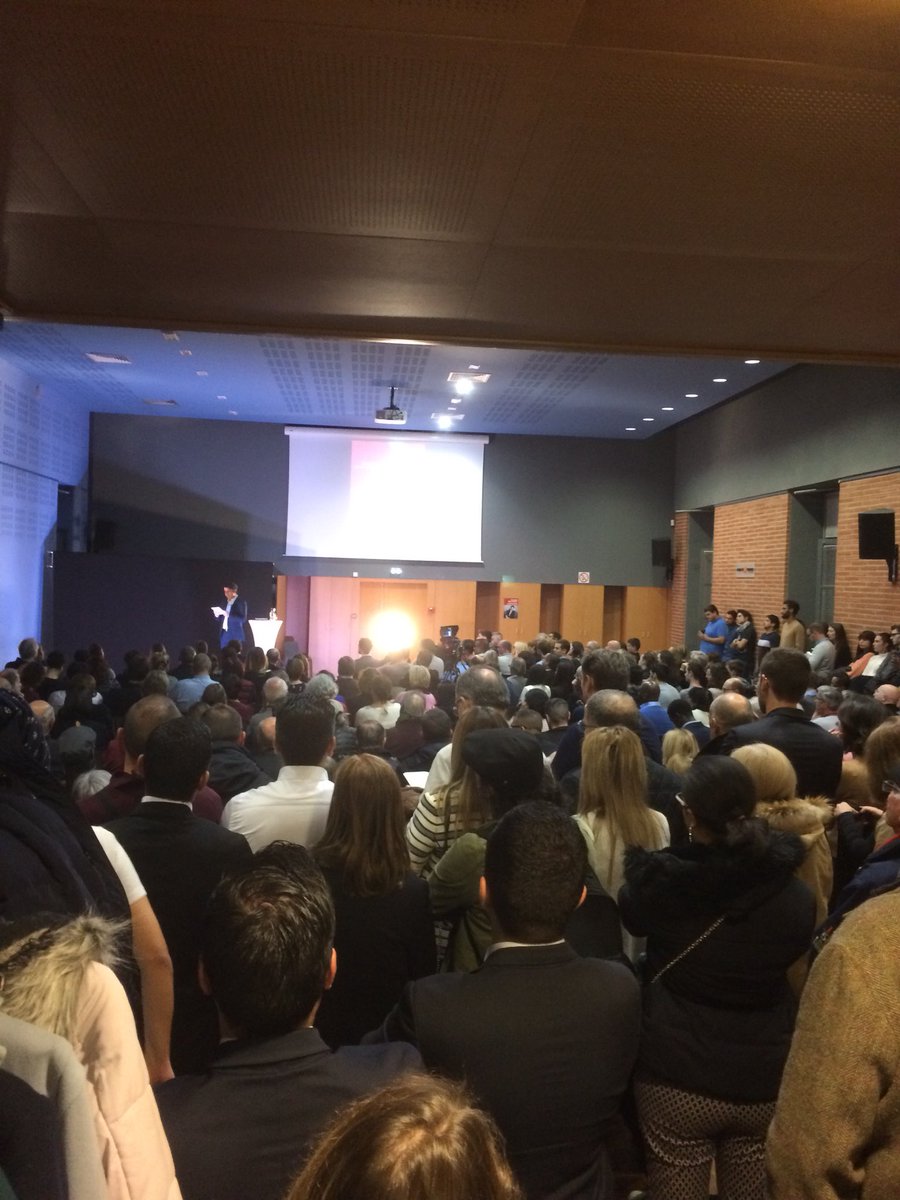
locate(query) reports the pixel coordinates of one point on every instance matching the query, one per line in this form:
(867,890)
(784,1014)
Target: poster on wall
(510,608)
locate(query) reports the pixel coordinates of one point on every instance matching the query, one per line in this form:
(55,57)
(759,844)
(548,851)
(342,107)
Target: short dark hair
(720,793)
(266,941)
(787,672)
(793,606)
(485,687)
(711,608)
(364,646)
(609,707)
(142,718)
(214,693)
(303,729)
(607,669)
(534,868)
(436,725)
(223,722)
(176,755)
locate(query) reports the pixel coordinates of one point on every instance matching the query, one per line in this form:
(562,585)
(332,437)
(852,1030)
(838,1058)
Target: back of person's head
(419,677)
(214,693)
(858,716)
(155,683)
(202,664)
(680,712)
(509,765)
(223,723)
(369,735)
(298,668)
(28,648)
(274,690)
(412,706)
(829,697)
(517,666)
(721,795)
(679,749)
(365,833)
(613,785)
(320,687)
(528,719)
(175,758)
(304,729)
(380,688)
(266,942)
(882,753)
(419,1138)
(436,726)
(787,672)
(484,687)
(648,692)
(345,666)
(557,712)
(729,710)
(537,699)
(610,707)
(364,645)
(773,776)
(607,669)
(142,718)
(477,717)
(534,870)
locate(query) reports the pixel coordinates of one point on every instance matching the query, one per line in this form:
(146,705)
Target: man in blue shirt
(712,637)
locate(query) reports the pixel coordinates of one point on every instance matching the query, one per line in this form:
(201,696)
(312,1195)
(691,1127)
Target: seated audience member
(821,656)
(189,690)
(383,708)
(266,756)
(322,686)
(724,919)
(126,787)
(370,740)
(44,714)
(298,673)
(836,1129)
(58,984)
(156,683)
(828,701)
(81,710)
(185,666)
(509,769)
(528,719)
(179,859)
(231,767)
(387,1145)
(244,1127)
(348,688)
(477,687)
(406,736)
(293,808)
(232,682)
(384,934)
(888,694)
(274,694)
(507,1025)
(436,732)
(814,755)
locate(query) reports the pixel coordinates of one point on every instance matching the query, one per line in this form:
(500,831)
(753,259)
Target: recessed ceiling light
(185,353)
(116,359)
(232,412)
(456,399)
(690,395)
(169,335)
(203,373)
(444,422)
(474,367)
(464,386)
(668,408)
(648,418)
(720,380)
(221,397)
(630,428)
(399,342)
(752,362)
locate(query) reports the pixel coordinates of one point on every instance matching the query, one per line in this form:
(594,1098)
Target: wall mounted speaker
(661,552)
(876,535)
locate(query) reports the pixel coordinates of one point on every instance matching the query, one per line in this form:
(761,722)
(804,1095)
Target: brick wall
(863,598)
(679,579)
(753,531)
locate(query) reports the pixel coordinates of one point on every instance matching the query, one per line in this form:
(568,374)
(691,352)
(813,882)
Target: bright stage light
(392,630)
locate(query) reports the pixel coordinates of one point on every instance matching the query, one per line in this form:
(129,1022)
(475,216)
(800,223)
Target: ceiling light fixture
(185,353)
(630,428)
(161,403)
(720,379)
(648,418)
(668,408)
(392,415)
(690,395)
(465,386)
(456,399)
(203,373)
(751,362)
(221,397)
(444,421)
(118,360)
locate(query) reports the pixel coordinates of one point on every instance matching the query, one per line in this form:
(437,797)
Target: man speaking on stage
(231,617)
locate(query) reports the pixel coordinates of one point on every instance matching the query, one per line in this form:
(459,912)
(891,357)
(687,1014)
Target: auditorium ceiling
(277,211)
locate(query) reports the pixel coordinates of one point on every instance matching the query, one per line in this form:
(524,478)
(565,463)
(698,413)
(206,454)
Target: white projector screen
(386,495)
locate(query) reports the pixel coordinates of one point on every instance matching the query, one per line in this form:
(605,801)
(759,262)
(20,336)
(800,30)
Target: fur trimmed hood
(730,879)
(803,815)
(42,969)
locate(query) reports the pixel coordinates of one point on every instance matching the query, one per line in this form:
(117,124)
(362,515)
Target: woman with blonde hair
(384,934)
(613,813)
(417,1139)
(777,803)
(679,749)
(440,818)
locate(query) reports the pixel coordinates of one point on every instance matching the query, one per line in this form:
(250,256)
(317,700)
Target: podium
(265,632)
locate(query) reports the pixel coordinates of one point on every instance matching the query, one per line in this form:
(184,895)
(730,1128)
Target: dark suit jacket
(547,1041)
(236,619)
(180,858)
(242,1129)
(815,755)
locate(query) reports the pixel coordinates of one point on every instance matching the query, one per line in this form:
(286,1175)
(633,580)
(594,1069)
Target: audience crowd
(524,921)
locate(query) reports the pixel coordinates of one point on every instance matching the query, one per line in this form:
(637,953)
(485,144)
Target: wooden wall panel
(333,620)
(645,615)
(451,602)
(581,617)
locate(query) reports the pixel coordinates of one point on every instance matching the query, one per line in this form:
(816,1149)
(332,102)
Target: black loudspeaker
(661,552)
(104,536)
(876,535)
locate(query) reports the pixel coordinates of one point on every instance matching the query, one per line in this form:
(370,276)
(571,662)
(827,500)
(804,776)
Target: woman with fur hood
(725,917)
(56,976)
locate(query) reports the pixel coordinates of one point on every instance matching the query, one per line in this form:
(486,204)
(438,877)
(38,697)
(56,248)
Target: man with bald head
(886,694)
(726,712)
(478,687)
(126,788)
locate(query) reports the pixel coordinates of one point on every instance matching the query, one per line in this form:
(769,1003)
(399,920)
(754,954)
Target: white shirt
(121,864)
(439,774)
(293,809)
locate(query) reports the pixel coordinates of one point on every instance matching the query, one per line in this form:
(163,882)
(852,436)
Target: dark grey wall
(811,425)
(552,506)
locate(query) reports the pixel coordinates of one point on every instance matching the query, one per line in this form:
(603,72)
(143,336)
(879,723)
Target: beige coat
(836,1132)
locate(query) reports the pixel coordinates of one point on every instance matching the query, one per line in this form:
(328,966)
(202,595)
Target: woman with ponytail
(724,918)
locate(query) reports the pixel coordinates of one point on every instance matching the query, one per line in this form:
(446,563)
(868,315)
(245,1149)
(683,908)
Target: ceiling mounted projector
(392,415)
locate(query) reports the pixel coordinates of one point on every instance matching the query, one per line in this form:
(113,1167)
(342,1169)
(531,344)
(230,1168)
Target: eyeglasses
(887,787)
